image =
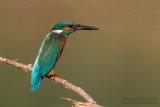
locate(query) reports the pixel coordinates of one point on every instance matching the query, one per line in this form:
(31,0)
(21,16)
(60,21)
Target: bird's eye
(71,26)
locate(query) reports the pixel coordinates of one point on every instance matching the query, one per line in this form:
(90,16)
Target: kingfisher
(51,50)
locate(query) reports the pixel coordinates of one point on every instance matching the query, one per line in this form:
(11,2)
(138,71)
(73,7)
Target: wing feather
(48,53)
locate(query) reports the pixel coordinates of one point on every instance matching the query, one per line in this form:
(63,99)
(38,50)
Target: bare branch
(18,65)
(90,102)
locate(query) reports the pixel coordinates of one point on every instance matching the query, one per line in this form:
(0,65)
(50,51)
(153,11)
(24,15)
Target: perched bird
(51,50)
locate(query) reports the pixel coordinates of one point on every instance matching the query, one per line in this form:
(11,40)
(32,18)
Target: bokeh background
(120,60)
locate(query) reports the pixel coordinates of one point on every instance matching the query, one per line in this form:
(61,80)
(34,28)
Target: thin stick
(59,80)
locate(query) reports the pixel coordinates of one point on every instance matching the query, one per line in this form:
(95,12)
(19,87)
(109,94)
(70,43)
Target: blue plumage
(46,59)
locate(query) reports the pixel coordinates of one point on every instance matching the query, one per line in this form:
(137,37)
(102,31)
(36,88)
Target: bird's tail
(35,79)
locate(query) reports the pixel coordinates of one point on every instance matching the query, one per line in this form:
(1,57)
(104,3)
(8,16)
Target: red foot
(56,76)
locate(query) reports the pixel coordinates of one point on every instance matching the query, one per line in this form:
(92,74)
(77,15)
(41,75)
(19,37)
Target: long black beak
(82,27)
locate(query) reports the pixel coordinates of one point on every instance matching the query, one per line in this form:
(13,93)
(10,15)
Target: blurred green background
(119,60)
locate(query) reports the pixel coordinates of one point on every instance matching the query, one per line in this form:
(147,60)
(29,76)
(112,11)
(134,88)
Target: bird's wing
(48,53)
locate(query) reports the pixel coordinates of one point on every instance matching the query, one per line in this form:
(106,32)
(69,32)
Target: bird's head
(67,27)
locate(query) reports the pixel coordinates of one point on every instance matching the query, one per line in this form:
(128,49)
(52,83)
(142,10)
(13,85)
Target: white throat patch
(57,31)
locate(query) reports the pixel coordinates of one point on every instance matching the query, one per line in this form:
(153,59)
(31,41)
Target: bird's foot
(54,77)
